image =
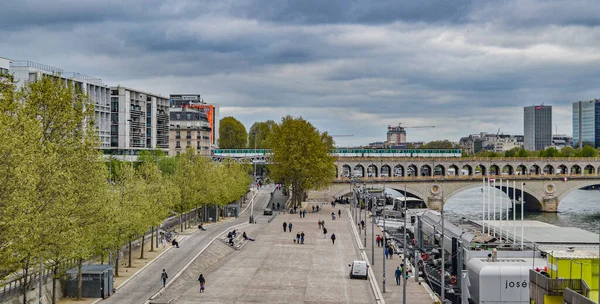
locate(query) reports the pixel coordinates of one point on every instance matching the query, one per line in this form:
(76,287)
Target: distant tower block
(396,135)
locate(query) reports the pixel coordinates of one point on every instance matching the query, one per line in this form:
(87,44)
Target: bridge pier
(435,203)
(550,204)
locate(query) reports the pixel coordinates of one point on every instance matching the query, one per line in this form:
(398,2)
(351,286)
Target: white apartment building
(139,121)
(99,93)
(4,65)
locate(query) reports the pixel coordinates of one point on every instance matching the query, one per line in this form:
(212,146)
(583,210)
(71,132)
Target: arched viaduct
(542,193)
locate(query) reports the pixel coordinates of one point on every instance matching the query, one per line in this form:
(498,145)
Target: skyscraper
(537,127)
(586,123)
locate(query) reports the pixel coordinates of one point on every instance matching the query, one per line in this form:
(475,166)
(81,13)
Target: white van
(359,269)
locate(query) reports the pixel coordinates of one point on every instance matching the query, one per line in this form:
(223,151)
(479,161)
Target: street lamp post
(254,184)
(385,245)
(404,249)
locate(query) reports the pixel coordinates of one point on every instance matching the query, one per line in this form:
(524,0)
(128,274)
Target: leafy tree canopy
(300,156)
(232,133)
(258,134)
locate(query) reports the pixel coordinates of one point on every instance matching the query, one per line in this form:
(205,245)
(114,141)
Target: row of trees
(300,157)
(61,200)
(586,151)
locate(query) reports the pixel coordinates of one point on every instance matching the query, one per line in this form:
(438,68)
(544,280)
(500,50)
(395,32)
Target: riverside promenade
(275,269)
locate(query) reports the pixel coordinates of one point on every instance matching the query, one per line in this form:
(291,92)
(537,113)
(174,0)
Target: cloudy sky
(348,66)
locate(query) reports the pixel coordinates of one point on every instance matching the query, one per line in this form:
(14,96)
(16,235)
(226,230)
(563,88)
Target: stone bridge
(542,193)
(401,167)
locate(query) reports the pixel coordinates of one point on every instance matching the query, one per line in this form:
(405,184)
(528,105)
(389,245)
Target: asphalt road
(148,282)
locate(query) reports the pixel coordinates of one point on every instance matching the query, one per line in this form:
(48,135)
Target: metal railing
(16,285)
(551,286)
(573,297)
(38,66)
(471,177)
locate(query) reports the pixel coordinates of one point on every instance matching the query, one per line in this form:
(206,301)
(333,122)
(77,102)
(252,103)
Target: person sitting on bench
(175,243)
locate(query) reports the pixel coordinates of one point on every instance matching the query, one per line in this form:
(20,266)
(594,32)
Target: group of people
(398,273)
(164,276)
(321,224)
(300,238)
(315,208)
(333,214)
(302,213)
(286,226)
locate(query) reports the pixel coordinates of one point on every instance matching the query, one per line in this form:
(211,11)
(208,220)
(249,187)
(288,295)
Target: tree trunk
(79,278)
(142,248)
(129,257)
(25,282)
(54,271)
(152,239)
(117,264)
(181,222)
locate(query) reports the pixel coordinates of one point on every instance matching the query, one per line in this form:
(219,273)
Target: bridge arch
(425,170)
(346,171)
(469,170)
(549,169)
(372,171)
(494,170)
(562,169)
(439,170)
(534,169)
(521,169)
(482,168)
(358,171)
(399,170)
(385,171)
(581,185)
(575,169)
(589,169)
(508,169)
(412,170)
(455,168)
(532,203)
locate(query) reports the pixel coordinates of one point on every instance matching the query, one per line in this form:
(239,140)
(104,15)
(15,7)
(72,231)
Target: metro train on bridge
(342,152)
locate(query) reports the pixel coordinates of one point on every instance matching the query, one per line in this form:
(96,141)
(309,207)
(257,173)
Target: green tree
(232,134)
(567,151)
(438,144)
(549,152)
(588,151)
(259,132)
(522,153)
(300,154)
(512,152)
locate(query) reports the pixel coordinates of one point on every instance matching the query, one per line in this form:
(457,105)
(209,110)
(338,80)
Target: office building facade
(586,123)
(139,121)
(537,127)
(211,111)
(396,135)
(27,71)
(189,127)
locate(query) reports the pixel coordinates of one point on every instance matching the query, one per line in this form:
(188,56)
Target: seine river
(580,208)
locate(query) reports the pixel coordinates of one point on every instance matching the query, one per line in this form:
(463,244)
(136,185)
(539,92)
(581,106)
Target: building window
(189,144)
(189,135)
(178,116)
(178,145)
(177,134)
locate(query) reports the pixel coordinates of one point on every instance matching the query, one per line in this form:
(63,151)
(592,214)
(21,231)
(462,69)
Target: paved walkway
(148,282)
(415,293)
(274,269)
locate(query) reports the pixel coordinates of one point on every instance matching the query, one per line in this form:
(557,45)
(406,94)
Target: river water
(580,208)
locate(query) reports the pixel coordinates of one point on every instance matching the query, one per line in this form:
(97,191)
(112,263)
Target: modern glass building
(586,123)
(537,127)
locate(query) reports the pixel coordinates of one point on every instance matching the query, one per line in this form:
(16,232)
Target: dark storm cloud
(351,67)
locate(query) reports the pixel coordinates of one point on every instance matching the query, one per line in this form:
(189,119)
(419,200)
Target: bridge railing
(474,159)
(454,177)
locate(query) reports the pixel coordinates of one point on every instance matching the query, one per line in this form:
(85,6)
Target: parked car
(268,211)
(359,270)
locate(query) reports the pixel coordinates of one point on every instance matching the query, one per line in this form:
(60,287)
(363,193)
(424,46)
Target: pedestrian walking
(333,238)
(302,237)
(339,213)
(362,223)
(202,282)
(319,223)
(284,226)
(298,237)
(398,275)
(324,232)
(278,206)
(304,215)
(387,252)
(300,213)
(313,208)
(378,240)
(164,277)
(290,227)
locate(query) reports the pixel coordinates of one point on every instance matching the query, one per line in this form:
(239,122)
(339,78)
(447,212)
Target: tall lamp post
(404,249)
(254,184)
